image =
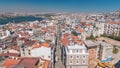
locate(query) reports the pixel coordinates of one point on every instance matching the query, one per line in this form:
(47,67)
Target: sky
(58,5)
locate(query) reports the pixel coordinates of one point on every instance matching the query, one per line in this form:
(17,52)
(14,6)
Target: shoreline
(19,19)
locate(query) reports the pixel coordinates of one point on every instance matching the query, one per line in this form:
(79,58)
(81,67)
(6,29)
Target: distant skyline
(20,6)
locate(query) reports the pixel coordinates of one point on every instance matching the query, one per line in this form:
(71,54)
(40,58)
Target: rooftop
(9,63)
(29,62)
(10,54)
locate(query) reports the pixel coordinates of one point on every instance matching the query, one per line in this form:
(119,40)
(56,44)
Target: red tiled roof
(1,44)
(66,34)
(81,30)
(10,54)
(53,27)
(46,64)
(45,29)
(9,63)
(23,39)
(65,41)
(29,62)
(80,42)
(113,22)
(45,44)
(29,43)
(36,45)
(74,37)
(89,24)
(16,48)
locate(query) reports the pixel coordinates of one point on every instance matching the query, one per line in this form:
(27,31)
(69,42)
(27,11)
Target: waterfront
(19,19)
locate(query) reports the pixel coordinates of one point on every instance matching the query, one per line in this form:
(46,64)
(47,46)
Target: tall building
(75,53)
(76,56)
(112,28)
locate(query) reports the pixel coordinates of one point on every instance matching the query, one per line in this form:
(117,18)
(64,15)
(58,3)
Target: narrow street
(58,61)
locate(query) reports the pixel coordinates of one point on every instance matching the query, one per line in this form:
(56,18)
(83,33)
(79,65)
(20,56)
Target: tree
(103,35)
(115,50)
(91,37)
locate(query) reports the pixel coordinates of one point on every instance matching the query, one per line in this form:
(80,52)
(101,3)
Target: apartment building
(98,29)
(76,56)
(75,53)
(92,50)
(112,28)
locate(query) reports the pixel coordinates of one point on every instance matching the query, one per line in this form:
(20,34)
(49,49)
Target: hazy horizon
(53,6)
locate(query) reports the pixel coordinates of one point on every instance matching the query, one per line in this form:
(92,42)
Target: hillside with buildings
(75,40)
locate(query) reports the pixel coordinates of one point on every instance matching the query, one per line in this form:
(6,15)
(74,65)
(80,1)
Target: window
(86,51)
(23,49)
(71,56)
(0,49)
(73,51)
(70,66)
(84,56)
(77,62)
(48,56)
(77,57)
(70,62)
(42,56)
(29,52)
(83,62)
(80,50)
(77,50)
(23,53)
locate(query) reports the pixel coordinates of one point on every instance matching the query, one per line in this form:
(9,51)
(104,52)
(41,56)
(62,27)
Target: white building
(112,28)
(43,52)
(76,56)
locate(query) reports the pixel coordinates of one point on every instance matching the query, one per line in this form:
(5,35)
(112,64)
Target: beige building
(92,50)
(112,28)
(25,49)
(76,56)
(99,51)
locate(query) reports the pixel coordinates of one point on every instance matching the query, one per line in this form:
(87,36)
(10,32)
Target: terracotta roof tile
(113,22)
(1,44)
(16,48)
(81,30)
(45,44)
(23,39)
(46,64)
(29,62)
(74,37)
(29,43)
(89,24)
(36,46)
(65,41)
(10,54)
(9,63)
